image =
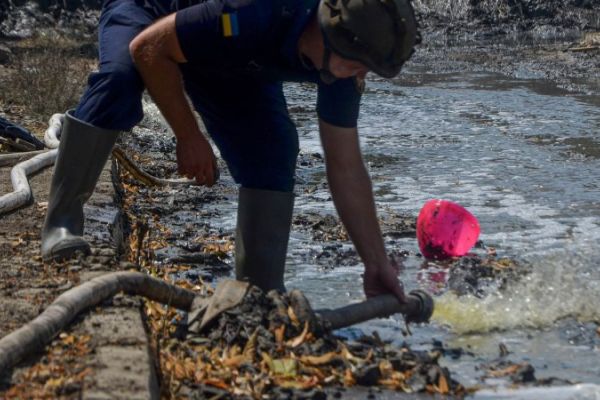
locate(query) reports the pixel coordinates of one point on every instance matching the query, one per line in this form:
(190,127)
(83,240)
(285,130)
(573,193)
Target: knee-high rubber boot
(82,153)
(262,234)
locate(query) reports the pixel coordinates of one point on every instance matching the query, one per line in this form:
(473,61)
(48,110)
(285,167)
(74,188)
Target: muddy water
(524,157)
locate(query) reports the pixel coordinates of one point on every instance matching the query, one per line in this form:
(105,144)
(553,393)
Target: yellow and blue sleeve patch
(230,24)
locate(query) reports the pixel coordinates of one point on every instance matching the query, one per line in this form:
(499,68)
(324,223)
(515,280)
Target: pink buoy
(446,229)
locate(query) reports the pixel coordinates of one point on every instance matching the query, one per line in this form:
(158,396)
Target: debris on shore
(260,348)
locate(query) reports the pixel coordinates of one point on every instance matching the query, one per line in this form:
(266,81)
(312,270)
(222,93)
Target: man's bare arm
(352,194)
(157,54)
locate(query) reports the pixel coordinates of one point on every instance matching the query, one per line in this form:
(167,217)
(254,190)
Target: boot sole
(67,252)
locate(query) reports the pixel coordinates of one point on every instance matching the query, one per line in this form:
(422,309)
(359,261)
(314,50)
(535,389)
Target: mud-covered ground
(28,285)
(576,71)
(558,41)
(185,235)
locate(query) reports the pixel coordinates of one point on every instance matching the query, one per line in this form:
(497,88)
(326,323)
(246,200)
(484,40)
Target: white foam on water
(563,284)
(575,392)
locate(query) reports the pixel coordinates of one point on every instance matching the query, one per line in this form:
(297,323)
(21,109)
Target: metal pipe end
(425,309)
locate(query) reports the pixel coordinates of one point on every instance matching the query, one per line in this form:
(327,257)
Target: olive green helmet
(381,34)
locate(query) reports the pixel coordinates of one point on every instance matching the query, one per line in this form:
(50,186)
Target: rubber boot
(82,153)
(263,230)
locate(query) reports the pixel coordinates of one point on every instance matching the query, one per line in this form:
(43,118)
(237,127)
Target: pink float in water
(446,229)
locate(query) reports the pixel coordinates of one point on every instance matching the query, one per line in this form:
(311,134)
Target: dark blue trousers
(246,118)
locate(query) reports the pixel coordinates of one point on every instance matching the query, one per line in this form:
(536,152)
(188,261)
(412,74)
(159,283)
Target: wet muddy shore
(510,55)
(186,234)
(550,40)
(526,39)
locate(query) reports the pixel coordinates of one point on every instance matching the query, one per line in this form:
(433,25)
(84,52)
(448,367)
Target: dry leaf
(298,340)
(67,339)
(287,367)
(388,383)
(233,351)
(236,361)
(396,382)
(369,356)
(266,362)
(179,371)
(199,376)
(168,365)
(386,368)
(443,385)
(190,367)
(280,334)
(305,383)
(504,372)
(214,353)
(293,316)
(216,383)
(349,356)
(54,383)
(250,347)
(320,360)
(312,371)
(349,378)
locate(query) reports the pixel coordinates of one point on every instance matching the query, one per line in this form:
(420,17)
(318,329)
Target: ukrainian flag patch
(230,24)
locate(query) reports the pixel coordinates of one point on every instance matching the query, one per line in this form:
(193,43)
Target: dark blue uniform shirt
(259,38)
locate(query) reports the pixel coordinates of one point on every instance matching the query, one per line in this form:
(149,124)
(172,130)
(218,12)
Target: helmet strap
(325,74)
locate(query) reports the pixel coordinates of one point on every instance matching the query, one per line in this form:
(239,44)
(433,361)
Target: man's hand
(195,159)
(157,54)
(384,280)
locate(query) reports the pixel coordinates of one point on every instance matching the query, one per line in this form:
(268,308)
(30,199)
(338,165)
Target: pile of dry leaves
(260,349)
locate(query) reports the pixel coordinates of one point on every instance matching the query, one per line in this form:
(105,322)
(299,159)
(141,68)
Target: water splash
(564,284)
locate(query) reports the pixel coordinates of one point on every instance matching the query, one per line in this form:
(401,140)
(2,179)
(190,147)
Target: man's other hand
(196,160)
(384,280)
